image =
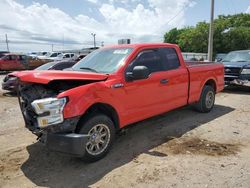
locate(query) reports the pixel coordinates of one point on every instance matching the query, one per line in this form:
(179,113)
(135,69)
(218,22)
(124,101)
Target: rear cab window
(170,58)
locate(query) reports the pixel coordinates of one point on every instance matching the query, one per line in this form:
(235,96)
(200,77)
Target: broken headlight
(49,110)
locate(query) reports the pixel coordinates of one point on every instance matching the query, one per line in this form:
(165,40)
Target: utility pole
(63,41)
(93,34)
(211,32)
(52,47)
(7,42)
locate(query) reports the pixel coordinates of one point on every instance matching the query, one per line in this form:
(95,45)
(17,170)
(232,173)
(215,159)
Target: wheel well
(100,108)
(211,83)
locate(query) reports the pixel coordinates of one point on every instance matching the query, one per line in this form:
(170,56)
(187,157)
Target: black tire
(88,125)
(203,105)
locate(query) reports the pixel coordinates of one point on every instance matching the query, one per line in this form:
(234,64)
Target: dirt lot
(182,148)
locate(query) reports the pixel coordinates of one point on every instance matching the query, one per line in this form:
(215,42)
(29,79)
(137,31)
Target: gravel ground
(181,148)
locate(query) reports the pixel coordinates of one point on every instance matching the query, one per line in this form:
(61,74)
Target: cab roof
(141,45)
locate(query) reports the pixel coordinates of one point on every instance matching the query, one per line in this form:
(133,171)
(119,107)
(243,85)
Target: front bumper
(67,126)
(61,138)
(237,80)
(71,143)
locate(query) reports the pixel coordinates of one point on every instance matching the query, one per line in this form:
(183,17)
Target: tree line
(231,32)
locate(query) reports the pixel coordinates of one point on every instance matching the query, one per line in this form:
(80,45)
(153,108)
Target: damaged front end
(43,115)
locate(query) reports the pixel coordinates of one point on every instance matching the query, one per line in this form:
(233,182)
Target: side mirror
(138,73)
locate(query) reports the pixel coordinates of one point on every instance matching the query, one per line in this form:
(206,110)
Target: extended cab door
(177,76)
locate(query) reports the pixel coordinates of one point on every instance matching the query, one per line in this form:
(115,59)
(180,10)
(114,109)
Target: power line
(171,19)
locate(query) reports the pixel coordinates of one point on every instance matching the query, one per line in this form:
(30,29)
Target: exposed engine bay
(34,97)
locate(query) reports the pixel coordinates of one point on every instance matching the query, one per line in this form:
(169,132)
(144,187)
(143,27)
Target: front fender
(82,97)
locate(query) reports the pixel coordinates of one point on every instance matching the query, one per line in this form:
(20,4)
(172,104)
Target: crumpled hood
(44,77)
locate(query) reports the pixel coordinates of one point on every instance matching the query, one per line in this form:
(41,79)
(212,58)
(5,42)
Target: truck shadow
(242,90)
(50,169)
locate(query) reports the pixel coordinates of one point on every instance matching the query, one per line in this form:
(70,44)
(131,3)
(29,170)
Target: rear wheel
(100,129)
(207,99)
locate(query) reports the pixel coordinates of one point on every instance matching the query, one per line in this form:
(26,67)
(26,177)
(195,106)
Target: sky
(36,25)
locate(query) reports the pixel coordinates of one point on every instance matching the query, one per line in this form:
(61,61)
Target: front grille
(234,71)
(28,113)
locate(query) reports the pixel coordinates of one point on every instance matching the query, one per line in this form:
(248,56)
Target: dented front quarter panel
(82,97)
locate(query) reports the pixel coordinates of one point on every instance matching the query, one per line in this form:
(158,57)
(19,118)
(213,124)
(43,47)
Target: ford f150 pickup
(79,111)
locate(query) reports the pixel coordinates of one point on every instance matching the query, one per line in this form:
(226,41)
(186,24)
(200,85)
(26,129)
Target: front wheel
(100,129)
(207,99)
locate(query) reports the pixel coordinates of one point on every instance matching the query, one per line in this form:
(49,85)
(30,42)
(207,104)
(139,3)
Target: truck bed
(199,73)
(198,63)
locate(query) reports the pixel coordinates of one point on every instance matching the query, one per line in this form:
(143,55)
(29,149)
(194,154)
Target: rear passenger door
(177,80)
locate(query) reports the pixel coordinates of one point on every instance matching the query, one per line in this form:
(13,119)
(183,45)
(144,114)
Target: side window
(66,56)
(150,59)
(7,57)
(171,59)
(13,57)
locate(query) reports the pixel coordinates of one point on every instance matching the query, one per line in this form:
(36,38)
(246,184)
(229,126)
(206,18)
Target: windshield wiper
(87,68)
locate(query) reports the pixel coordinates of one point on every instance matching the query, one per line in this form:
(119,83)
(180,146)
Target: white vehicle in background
(55,56)
(66,56)
(32,54)
(43,55)
(69,56)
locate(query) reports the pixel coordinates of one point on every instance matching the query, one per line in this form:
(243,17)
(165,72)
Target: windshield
(106,60)
(239,56)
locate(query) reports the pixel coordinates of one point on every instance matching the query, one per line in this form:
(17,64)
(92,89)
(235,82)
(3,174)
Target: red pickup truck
(79,111)
(13,62)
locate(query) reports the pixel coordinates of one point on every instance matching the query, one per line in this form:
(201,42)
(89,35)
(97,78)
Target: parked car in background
(54,56)
(237,68)
(43,55)
(10,81)
(32,54)
(81,56)
(219,57)
(35,62)
(56,65)
(65,56)
(13,61)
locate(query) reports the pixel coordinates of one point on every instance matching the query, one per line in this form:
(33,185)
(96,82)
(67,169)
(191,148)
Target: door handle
(164,81)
